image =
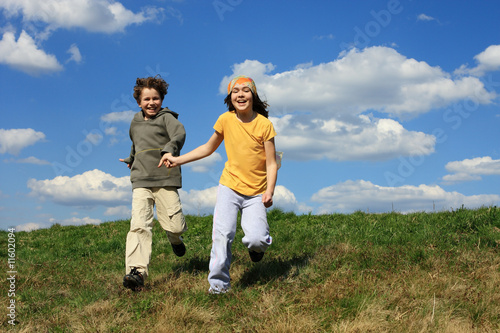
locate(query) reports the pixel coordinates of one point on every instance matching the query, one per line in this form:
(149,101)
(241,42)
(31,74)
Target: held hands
(168,160)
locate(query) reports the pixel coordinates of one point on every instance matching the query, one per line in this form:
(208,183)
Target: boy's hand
(267,200)
(122,160)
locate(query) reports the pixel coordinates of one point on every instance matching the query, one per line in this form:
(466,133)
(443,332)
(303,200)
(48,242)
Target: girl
(248,179)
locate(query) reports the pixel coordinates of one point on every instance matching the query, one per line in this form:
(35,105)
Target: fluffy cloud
(119,116)
(202,202)
(102,16)
(198,202)
(76,56)
(471,169)
(285,200)
(29,160)
(205,164)
(363,195)
(24,55)
(328,110)
(12,141)
(75,221)
(357,138)
(376,78)
(29,226)
(425,17)
(119,211)
(105,16)
(88,189)
(488,60)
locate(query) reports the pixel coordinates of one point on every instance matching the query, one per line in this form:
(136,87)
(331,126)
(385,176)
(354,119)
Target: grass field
(421,272)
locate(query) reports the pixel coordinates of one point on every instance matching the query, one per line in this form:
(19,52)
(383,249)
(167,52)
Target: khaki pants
(139,238)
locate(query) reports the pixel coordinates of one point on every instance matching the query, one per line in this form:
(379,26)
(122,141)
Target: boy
(156,134)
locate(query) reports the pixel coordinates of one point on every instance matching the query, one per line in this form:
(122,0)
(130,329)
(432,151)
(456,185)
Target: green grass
(421,272)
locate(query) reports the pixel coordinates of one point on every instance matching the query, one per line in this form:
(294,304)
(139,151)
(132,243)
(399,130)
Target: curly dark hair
(156,83)
(259,105)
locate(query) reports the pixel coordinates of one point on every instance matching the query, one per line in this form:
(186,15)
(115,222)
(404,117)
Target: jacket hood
(139,116)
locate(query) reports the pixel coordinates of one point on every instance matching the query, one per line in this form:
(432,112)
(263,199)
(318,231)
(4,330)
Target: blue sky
(378,105)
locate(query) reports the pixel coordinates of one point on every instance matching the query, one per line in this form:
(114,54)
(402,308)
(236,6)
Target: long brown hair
(259,105)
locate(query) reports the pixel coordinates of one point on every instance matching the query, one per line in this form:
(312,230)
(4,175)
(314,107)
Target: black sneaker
(134,280)
(256,256)
(179,249)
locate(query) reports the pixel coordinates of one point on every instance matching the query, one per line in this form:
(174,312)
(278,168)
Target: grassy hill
(422,272)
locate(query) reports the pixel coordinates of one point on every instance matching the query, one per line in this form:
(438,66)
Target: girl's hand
(267,200)
(168,160)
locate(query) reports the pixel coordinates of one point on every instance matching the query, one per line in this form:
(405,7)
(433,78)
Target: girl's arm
(272,172)
(198,153)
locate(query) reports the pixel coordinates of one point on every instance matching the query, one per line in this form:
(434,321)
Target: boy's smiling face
(150,102)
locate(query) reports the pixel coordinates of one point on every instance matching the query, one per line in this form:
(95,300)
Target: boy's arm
(198,153)
(272,172)
(177,135)
(129,160)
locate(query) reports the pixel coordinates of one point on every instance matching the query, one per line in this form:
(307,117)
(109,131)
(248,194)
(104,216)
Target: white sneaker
(217,290)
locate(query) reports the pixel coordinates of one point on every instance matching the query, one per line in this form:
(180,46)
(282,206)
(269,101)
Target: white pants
(253,223)
(140,236)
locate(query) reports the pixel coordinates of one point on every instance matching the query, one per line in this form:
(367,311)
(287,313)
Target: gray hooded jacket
(150,140)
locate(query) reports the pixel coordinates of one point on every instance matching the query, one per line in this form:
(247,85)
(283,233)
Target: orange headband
(242,80)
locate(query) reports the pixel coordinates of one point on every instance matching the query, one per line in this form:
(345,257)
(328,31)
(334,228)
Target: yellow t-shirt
(245,169)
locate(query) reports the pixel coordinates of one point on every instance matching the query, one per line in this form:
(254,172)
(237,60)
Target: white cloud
(24,55)
(376,78)
(471,169)
(424,17)
(104,16)
(285,200)
(329,36)
(12,141)
(94,138)
(41,18)
(29,226)
(75,221)
(88,189)
(198,202)
(119,211)
(325,111)
(487,61)
(202,202)
(363,195)
(358,138)
(206,163)
(29,160)
(119,117)
(76,56)
(113,131)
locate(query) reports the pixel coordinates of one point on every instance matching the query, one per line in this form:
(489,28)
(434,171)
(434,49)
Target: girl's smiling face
(150,102)
(242,98)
